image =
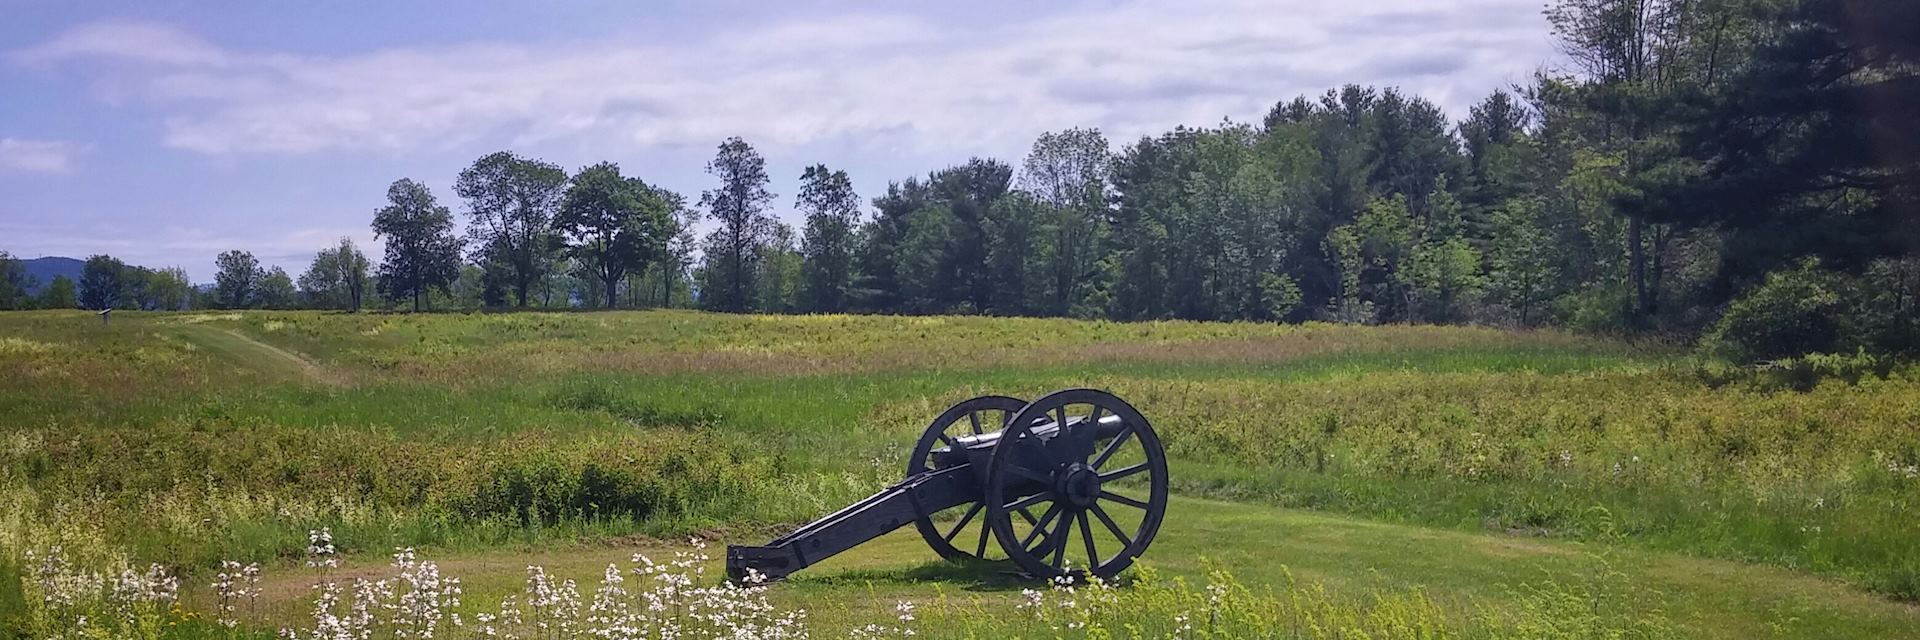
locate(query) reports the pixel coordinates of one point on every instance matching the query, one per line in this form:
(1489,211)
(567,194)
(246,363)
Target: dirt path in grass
(260,356)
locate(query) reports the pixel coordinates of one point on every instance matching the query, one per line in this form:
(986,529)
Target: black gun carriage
(1074,483)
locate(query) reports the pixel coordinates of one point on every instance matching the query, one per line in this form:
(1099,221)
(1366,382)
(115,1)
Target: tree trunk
(739,301)
(613,288)
(1637,265)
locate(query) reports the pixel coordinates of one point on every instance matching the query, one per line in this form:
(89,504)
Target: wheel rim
(965,537)
(1111,488)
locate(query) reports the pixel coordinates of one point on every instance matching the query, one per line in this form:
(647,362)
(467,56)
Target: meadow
(1397,481)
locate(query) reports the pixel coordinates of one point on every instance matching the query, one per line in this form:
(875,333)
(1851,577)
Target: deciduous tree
(739,205)
(422,252)
(59,294)
(614,225)
(14,283)
(236,281)
(337,277)
(511,206)
(276,290)
(103,283)
(832,211)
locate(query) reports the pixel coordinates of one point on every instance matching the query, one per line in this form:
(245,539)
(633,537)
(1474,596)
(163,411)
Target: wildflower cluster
(234,583)
(903,617)
(321,553)
(1073,603)
(78,603)
(416,602)
(647,600)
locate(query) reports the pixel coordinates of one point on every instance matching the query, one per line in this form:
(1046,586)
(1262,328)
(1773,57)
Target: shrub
(1795,312)
(1598,309)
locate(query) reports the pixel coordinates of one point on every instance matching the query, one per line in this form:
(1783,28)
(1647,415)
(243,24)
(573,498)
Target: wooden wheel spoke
(947,439)
(1029,501)
(1123,472)
(1057,453)
(977,506)
(1061,533)
(1111,526)
(1040,527)
(1113,447)
(1086,535)
(1092,429)
(1109,495)
(975,419)
(981,553)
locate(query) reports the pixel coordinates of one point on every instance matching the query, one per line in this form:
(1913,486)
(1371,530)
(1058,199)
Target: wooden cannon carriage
(1085,460)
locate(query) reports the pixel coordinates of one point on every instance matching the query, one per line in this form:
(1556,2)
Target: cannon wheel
(985,414)
(1084,478)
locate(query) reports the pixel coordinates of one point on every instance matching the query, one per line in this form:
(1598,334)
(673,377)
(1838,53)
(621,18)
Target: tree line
(1740,169)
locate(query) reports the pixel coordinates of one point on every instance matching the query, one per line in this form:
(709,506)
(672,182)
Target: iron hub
(1079,484)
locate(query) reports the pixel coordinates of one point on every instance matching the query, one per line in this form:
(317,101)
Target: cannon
(1085,460)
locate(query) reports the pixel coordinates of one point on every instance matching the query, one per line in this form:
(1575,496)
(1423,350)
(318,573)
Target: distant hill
(45,269)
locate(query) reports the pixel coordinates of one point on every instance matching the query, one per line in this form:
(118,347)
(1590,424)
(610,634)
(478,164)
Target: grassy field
(1388,479)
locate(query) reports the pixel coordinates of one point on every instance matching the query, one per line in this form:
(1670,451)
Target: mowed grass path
(1465,574)
(238,348)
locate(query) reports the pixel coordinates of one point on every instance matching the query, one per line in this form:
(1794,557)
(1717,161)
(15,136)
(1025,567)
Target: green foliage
(59,294)
(1600,309)
(167,289)
(337,279)
(1446,279)
(739,204)
(921,259)
(1281,294)
(236,283)
(1794,312)
(14,283)
(832,211)
(422,253)
(778,285)
(108,283)
(276,290)
(1523,272)
(513,205)
(617,225)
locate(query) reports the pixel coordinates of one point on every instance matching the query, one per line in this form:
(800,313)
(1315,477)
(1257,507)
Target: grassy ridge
(468,432)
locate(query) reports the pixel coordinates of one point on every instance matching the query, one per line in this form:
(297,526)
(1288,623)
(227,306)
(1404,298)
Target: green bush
(1597,309)
(1795,312)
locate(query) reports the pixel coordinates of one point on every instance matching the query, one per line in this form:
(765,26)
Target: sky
(164,132)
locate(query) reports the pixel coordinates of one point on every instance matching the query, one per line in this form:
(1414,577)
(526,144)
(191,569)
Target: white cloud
(897,82)
(153,43)
(39,156)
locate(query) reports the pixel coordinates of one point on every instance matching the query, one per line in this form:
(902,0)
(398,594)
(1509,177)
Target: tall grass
(478,430)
